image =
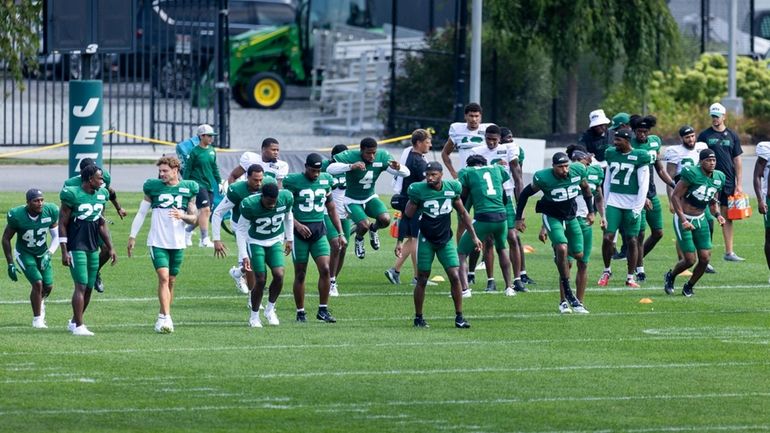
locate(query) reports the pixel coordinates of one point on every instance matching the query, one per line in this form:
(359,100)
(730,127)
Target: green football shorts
(625,218)
(303,249)
(510,210)
(30,265)
(692,240)
(654,216)
(85,266)
(165,258)
(331,231)
(426,251)
(497,230)
(261,257)
(564,232)
(372,209)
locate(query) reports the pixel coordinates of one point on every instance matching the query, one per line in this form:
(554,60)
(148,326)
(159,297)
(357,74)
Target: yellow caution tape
(386,141)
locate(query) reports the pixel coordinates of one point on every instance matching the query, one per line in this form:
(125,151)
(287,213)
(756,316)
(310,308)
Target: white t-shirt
(507,152)
(682,156)
(278,169)
(166,232)
(465,140)
(763,151)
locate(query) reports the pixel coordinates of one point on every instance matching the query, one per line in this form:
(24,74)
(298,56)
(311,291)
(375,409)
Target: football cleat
(99,284)
(360,250)
(240,281)
(491,286)
(188,238)
(206,243)
(393,276)
(271,316)
(510,291)
(39,323)
(481,266)
(526,280)
(254,321)
(333,292)
(374,240)
(564,308)
(641,276)
(324,315)
(668,285)
(163,326)
(579,308)
(471,279)
(604,279)
(518,286)
(460,322)
(301,317)
(710,269)
(732,257)
(419,322)
(82,331)
(467,293)
(687,290)
(71,325)
(632,284)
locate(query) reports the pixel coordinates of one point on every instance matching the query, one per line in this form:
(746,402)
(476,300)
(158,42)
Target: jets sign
(85,133)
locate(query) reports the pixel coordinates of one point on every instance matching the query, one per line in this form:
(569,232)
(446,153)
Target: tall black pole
(392,105)
(222,86)
(704,25)
(460,73)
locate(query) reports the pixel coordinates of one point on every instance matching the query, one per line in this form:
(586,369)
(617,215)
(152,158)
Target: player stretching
(312,195)
(625,190)
(266,220)
(31,223)
(698,187)
(173,205)
(80,226)
(434,199)
(362,169)
(338,249)
(561,185)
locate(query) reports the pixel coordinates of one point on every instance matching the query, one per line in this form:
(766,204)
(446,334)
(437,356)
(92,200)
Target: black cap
(623,133)
(686,130)
(33,194)
(577,155)
(314,160)
(560,158)
(707,153)
(434,166)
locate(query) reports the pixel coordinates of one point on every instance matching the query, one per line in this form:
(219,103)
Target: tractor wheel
(240,96)
(266,90)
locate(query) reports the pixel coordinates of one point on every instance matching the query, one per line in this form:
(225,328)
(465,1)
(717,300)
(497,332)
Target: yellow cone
(685,273)
(528,249)
(645,301)
(438,279)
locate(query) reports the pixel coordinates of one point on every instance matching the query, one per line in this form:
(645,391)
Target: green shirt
(360,183)
(435,208)
(485,185)
(201,166)
(622,169)
(653,147)
(594,177)
(266,224)
(31,233)
(83,227)
(167,196)
(77,180)
(701,189)
(309,196)
(238,191)
(556,189)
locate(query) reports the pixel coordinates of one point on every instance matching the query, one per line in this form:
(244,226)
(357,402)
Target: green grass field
(692,365)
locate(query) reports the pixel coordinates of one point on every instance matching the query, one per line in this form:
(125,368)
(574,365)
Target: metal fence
(161,91)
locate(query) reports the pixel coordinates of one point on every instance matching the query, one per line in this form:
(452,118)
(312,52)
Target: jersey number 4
(434,208)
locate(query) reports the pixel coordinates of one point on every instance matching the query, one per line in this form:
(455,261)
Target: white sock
(608,270)
(629,277)
(523,273)
(270,305)
(300,310)
(639,269)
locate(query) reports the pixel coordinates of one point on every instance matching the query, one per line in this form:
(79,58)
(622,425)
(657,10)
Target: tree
(641,35)
(19,40)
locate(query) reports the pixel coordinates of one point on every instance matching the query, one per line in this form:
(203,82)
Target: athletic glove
(45,261)
(223,187)
(12,272)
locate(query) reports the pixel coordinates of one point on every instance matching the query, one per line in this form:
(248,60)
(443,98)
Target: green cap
(620,119)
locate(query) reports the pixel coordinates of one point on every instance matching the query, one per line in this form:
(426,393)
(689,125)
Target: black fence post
(221,84)
(461,32)
(392,101)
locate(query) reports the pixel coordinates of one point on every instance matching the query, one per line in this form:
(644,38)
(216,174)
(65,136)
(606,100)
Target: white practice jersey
(278,169)
(465,139)
(503,152)
(763,151)
(682,156)
(166,232)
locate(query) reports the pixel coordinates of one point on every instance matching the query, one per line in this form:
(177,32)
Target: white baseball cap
(717,109)
(206,129)
(597,117)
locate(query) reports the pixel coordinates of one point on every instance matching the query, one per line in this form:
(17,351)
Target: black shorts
(726,192)
(204,198)
(408,227)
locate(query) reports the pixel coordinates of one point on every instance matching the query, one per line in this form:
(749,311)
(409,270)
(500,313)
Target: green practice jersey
(486,187)
(31,233)
(266,224)
(360,183)
(435,207)
(83,227)
(238,191)
(653,147)
(702,189)
(309,196)
(77,180)
(559,194)
(622,169)
(201,166)
(594,177)
(167,197)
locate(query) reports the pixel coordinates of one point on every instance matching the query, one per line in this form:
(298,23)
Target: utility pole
(732,102)
(475,91)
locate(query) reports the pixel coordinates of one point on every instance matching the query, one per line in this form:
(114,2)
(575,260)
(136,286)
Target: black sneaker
(668,279)
(687,290)
(99,285)
(374,240)
(471,279)
(518,286)
(641,276)
(710,269)
(526,280)
(460,322)
(325,315)
(301,317)
(419,322)
(360,250)
(619,255)
(491,286)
